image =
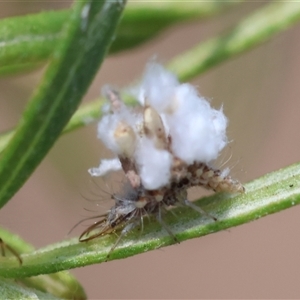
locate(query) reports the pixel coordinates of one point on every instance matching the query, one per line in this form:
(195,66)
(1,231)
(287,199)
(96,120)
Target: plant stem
(263,25)
(61,90)
(61,284)
(27,41)
(269,194)
(249,33)
(12,290)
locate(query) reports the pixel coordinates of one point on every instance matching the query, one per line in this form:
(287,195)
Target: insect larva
(164,147)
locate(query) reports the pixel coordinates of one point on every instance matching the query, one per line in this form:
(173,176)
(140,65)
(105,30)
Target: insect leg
(125,230)
(4,246)
(198,209)
(165,226)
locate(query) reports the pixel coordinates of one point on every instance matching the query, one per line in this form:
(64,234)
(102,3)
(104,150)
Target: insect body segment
(164,147)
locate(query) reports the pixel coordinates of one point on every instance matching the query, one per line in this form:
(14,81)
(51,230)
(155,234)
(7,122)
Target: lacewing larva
(164,147)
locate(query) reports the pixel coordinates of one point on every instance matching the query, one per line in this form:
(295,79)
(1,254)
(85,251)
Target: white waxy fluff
(154,165)
(109,124)
(198,131)
(106,166)
(195,131)
(157,87)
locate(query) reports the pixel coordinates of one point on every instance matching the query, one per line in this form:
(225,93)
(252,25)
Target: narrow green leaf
(143,20)
(74,64)
(11,290)
(257,28)
(87,114)
(27,41)
(5,138)
(61,284)
(269,194)
(15,241)
(19,68)
(30,38)
(252,31)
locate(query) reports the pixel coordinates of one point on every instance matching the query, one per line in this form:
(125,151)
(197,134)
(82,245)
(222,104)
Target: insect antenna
(85,219)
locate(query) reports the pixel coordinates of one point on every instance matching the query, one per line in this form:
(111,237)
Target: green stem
(87,38)
(27,41)
(30,39)
(11,290)
(269,194)
(87,114)
(61,284)
(257,28)
(252,31)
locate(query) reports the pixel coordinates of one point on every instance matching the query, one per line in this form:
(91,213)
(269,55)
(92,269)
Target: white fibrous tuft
(106,130)
(172,123)
(198,131)
(106,166)
(154,164)
(157,87)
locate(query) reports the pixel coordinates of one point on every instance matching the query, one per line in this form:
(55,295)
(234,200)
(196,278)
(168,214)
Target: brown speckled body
(130,208)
